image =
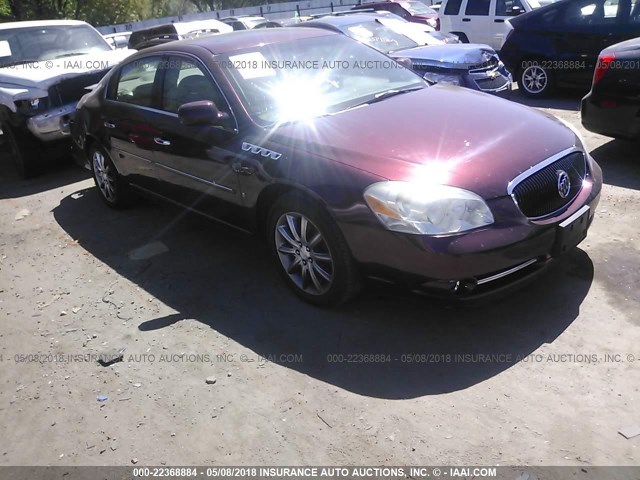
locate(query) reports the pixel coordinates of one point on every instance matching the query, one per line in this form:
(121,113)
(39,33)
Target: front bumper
(472,263)
(53,124)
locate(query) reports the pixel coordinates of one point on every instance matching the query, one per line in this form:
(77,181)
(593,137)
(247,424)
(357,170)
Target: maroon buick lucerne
(350,165)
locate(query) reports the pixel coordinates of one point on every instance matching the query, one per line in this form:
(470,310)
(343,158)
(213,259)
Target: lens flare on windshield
(300,97)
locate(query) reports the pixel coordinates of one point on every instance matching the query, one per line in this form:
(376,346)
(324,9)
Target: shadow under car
(225,280)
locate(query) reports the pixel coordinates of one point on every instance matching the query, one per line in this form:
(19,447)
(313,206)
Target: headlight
(427,209)
(442,78)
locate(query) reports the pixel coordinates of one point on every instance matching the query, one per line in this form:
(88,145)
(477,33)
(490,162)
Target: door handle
(161,141)
(499,20)
(243,168)
(466,19)
(109,125)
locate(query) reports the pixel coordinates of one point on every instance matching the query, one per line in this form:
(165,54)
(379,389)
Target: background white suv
(482,21)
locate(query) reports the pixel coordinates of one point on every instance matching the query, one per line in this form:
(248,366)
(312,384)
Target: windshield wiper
(71,54)
(392,93)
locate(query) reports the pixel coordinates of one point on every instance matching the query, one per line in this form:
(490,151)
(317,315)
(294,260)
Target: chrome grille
(485,66)
(538,194)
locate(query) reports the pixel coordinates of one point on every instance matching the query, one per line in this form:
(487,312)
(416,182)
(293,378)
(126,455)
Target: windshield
(308,78)
(379,36)
(25,45)
(412,30)
(417,8)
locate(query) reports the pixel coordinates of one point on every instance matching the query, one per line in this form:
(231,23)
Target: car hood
(33,80)
(441,134)
(460,55)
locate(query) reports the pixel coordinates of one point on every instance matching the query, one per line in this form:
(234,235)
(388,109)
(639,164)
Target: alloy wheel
(104,176)
(535,79)
(304,253)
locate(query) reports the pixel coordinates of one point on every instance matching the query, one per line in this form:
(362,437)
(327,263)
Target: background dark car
(169,32)
(247,22)
(410,10)
(612,107)
(468,65)
(558,45)
(243,128)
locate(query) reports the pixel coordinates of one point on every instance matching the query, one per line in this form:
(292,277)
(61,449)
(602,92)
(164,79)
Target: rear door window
(591,13)
(453,7)
(477,7)
(136,82)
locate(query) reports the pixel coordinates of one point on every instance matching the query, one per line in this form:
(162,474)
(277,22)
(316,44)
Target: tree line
(110,12)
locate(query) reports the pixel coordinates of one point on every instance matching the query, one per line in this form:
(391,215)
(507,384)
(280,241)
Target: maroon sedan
(349,164)
(411,10)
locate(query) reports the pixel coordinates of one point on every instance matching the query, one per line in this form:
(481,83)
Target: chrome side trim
(198,179)
(191,209)
(536,168)
(507,272)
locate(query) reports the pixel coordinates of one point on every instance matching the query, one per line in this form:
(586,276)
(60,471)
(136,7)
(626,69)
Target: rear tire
(535,81)
(24,150)
(310,252)
(114,189)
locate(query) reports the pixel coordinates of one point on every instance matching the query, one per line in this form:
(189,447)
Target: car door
(128,118)
(503,10)
(195,162)
(584,27)
(476,22)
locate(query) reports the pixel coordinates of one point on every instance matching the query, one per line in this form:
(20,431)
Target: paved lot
(562,380)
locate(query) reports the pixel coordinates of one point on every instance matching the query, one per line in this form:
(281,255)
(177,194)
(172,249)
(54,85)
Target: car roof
(41,23)
(244,39)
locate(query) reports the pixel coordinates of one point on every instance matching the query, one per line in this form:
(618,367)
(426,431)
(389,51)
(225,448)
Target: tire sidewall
(25,155)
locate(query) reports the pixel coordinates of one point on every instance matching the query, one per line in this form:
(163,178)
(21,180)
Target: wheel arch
(272,193)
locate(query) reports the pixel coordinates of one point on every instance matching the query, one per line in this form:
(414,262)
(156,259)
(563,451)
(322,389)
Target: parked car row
(474,66)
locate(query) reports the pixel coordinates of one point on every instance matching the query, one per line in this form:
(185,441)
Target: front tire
(114,190)
(535,81)
(310,252)
(24,150)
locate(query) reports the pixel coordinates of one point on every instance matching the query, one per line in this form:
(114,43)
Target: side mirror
(405,62)
(515,10)
(202,113)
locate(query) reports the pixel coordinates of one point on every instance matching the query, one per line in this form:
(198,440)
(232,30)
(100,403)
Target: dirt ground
(545,376)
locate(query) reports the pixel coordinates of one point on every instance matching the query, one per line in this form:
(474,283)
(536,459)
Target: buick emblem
(564,183)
